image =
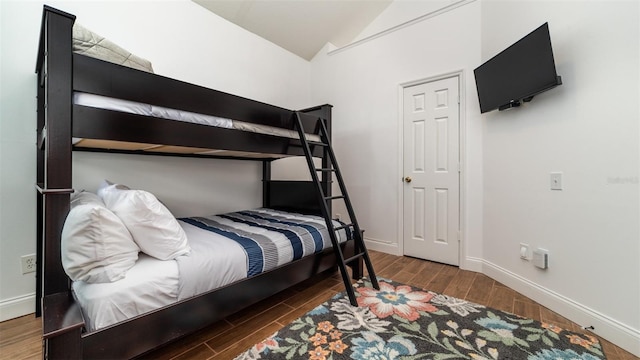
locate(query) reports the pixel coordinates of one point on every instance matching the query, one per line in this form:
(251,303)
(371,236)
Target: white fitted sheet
(214,261)
(132,107)
(151,284)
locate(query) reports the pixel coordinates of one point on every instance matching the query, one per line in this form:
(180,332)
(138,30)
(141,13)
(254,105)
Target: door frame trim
(462,158)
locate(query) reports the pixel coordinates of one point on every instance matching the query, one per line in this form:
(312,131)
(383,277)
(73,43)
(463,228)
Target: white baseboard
(385,247)
(17,306)
(612,330)
(471,264)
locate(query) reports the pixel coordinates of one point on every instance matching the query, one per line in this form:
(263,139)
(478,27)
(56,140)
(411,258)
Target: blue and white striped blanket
(271,238)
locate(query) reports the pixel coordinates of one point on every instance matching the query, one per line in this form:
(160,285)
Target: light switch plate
(556,180)
(524,251)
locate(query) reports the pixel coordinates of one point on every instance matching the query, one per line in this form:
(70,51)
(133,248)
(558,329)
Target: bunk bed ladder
(332,167)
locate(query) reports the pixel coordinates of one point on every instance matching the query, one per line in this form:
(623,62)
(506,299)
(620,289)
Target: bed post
(54,140)
(266,178)
(62,321)
(324,112)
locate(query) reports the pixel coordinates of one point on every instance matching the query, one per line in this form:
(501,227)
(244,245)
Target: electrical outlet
(555,179)
(541,258)
(28,263)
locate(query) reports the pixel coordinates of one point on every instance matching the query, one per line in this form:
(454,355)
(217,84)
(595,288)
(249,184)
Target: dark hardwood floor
(21,338)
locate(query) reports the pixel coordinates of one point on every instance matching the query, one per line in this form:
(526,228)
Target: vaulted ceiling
(301,26)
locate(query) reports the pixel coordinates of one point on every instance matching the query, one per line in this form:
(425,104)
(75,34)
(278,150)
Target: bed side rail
(62,327)
(125,340)
(92,123)
(103,78)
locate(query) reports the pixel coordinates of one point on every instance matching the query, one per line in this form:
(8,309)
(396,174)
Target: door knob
(407,179)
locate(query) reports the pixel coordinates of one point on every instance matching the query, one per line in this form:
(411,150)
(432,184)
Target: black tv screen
(519,72)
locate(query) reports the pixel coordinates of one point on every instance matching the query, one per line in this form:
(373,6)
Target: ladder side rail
(325,213)
(360,246)
(315,179)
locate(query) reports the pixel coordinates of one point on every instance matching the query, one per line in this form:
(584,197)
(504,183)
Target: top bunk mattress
(90,44)
(137,108)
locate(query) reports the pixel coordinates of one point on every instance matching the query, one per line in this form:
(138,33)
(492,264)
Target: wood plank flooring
(21,338)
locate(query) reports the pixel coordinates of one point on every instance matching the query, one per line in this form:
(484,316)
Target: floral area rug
(402,322)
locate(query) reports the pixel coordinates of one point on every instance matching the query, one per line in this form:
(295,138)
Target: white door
(431,171)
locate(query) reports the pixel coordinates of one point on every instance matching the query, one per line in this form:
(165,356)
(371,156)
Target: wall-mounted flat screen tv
(519,72)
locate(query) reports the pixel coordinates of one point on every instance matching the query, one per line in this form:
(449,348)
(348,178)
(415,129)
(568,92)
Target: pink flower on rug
(269,343)
(578,340)
(552,327)
(401,300)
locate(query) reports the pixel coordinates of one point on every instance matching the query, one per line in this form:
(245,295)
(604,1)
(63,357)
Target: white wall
(586,128)
(363,83)
(183,41)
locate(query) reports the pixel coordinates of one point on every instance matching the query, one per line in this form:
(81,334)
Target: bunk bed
(65,126)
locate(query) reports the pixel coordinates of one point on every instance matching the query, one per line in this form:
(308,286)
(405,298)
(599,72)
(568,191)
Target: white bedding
(222,259)
(151,283)
(132,107)
(215,260)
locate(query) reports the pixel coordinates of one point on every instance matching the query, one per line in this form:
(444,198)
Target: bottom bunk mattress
(224,249)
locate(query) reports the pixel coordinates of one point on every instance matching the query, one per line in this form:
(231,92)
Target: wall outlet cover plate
(541,258)
(555,179)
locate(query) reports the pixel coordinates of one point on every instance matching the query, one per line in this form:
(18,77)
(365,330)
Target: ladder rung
(354,257)
(298,143)
(328,167)
(342,227)
(334,197)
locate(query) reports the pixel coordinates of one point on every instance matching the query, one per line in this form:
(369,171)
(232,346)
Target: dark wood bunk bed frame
(60,73)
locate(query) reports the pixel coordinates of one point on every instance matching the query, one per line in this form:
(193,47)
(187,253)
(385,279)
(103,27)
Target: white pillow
(151,224)
(96,245)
